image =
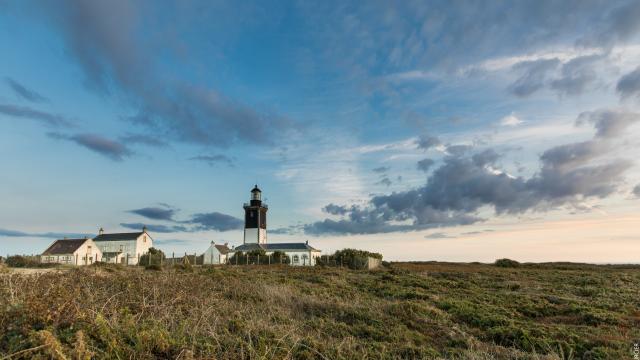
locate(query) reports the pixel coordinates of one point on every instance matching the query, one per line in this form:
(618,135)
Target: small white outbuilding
(215,254)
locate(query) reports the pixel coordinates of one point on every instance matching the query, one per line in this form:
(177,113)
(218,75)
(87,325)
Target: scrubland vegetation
(401,311)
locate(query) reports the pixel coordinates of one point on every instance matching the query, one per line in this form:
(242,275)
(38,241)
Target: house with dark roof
(300,254)
(72,252)
(123,248)
(215,254)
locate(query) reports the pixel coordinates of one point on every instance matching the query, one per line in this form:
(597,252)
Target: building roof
(63,247)
(118,236)
(223,249)
(275,247)
(256,189)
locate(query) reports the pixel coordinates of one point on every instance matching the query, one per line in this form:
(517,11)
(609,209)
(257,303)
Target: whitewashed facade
(215,254)
(72,252)
(124,248)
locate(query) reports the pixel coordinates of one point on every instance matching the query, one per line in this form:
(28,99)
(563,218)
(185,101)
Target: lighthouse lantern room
(255,219)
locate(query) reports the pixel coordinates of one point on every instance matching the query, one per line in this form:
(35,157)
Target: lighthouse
(255,219)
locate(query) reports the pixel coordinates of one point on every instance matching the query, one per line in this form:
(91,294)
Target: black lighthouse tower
(255,219)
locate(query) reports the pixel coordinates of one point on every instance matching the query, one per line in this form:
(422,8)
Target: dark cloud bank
(456,191)
(197,222)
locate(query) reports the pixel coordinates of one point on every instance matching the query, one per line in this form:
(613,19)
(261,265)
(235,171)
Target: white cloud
(511,120)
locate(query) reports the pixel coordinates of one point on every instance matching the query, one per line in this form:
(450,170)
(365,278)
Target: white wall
(87,254)
(213,256)
(253,236)
(133,248)
(310,257)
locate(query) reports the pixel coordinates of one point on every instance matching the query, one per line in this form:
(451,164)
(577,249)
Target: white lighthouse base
(255,236)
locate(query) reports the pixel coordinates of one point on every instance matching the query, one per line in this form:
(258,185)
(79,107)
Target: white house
(215,254)
(72,252)
(255,235)
(124,248)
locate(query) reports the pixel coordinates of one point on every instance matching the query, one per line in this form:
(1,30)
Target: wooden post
(269,259)
(236,256)
(173,258)
(258,262)
(247,257)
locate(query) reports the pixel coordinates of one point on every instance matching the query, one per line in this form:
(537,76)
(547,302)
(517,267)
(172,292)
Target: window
(296,259)
(144,239)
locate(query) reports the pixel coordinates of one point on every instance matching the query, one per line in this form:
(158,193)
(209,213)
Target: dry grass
(409,311)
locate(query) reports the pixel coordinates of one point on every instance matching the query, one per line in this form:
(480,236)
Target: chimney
(213,242)
(307,242)
(101,231)
(144,228)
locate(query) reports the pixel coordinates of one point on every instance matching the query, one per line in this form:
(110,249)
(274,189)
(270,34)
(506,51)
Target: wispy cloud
(156,213)
(53,235)
(23,92)
(111,149)
(43,117)
(213,160)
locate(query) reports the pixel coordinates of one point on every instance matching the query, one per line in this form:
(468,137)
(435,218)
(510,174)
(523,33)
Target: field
(401,311)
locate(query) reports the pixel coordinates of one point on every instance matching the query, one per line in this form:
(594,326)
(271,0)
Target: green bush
(153,257)
(351,258)
(155,267)
(506,263)
(19,261)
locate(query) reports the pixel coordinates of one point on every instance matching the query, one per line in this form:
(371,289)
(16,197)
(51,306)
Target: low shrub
(154,267)
(19,261)
(506,263)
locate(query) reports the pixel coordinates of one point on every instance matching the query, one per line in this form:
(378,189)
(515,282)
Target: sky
(424,130)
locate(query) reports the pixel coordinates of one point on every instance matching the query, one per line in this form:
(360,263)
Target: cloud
(609,123)
(143,140)
(213,160)
(171,242)
(23,92)
(629,84)
(381,169)
(216,221)
(425,142)
(438,235)
(534,76)
(111,149)
(464,184)
(155,228)
(52,235)
(289,230)
(425,164)
(155,213)
(577,75)
(104,39)
(32,114)
(510,120)
(617,25)
(384,181)
(334,209)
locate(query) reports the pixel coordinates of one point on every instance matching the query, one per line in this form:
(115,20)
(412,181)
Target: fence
(198,260)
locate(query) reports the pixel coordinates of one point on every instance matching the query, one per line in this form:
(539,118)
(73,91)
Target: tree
(155,255)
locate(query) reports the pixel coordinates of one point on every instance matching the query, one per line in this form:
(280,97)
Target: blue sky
(425,130)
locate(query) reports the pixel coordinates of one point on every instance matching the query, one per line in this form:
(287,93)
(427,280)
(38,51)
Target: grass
(406,311)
